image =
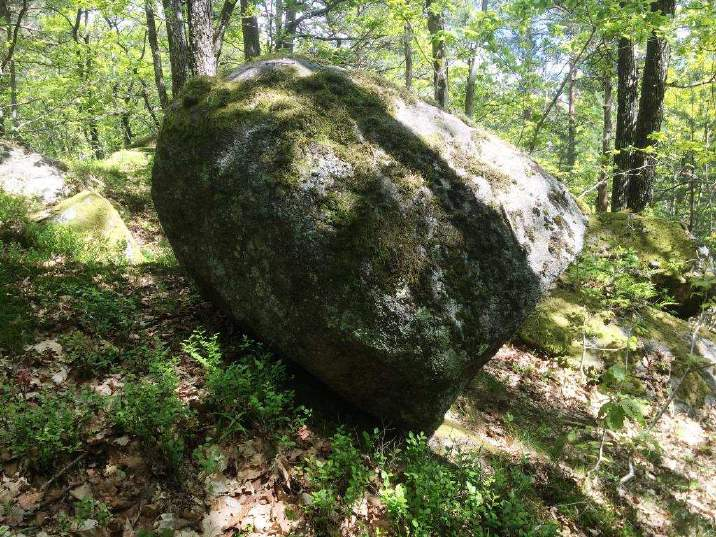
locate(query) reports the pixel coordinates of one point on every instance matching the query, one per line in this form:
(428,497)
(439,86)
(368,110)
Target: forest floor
(80,457)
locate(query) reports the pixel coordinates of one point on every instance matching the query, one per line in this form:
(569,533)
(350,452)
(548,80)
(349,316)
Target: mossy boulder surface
(384,244)
(93,218)
(660,243)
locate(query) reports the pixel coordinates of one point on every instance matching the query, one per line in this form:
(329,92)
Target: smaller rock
(81,492)
(95,219)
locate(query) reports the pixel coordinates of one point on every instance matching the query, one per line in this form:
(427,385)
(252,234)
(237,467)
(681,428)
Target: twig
(601,452)
(63,470)
(630,474)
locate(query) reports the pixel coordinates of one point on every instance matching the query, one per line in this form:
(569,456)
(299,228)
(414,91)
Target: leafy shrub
(620,280)
(150,410)
(91,509)
(47,432)
(89,357)
(249,393)
(338,481)
(434,497)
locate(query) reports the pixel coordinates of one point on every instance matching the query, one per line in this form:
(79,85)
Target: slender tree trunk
(691,177)
(651,111)
(472,75)
(250,30)
(436,26)
(289,28)
(156,53)
(571,153)
(602,203)
(626,117)
(408,54)
(278,23)
(224,18)
(14,120)
(179,60)
(470,86)
(202,37)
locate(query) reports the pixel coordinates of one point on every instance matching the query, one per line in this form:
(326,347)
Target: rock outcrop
(29,174)
(382,243)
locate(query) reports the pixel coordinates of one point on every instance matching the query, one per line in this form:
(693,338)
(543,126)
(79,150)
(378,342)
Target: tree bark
(179,60)
(202,37)
(14,120)
(571,153)
(472,75)
(285,41)
(436,26)
(651,112)
(470,86)
(602,203)
(626,117)
(408,54)
(226,11)
(250,30)
(156,53)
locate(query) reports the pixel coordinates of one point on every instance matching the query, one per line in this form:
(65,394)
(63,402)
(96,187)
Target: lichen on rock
(382,243)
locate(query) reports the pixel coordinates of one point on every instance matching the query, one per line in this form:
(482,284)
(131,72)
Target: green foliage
(91,509)
(89,357)
(46,432)
(619,280)
(463,498)
(248,393)
(150,410)
(337,482)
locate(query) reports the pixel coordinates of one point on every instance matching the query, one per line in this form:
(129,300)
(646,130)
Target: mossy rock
(660,243)
(93,218)
(555,328)
(382,243)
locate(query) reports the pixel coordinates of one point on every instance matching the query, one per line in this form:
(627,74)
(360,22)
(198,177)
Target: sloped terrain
(123,415)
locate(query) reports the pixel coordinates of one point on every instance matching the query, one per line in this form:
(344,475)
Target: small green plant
(434,497)
(209,458)
(47,431)
(89,357)
(249,393)
(91,509)
(338,481)
(150,409)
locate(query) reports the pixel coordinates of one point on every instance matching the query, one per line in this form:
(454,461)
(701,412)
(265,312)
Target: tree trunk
(626,116)
(156,53)
(470,87)
(571,153)
(224,18)
(202,37)
(472,75)
(408,54)
(178,49)
(436,26)
(14,120)
(602,204)
(278,23)
(651,111)
(250,30)
(285,40)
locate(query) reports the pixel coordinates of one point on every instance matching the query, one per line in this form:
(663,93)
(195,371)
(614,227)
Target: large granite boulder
(383,244)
